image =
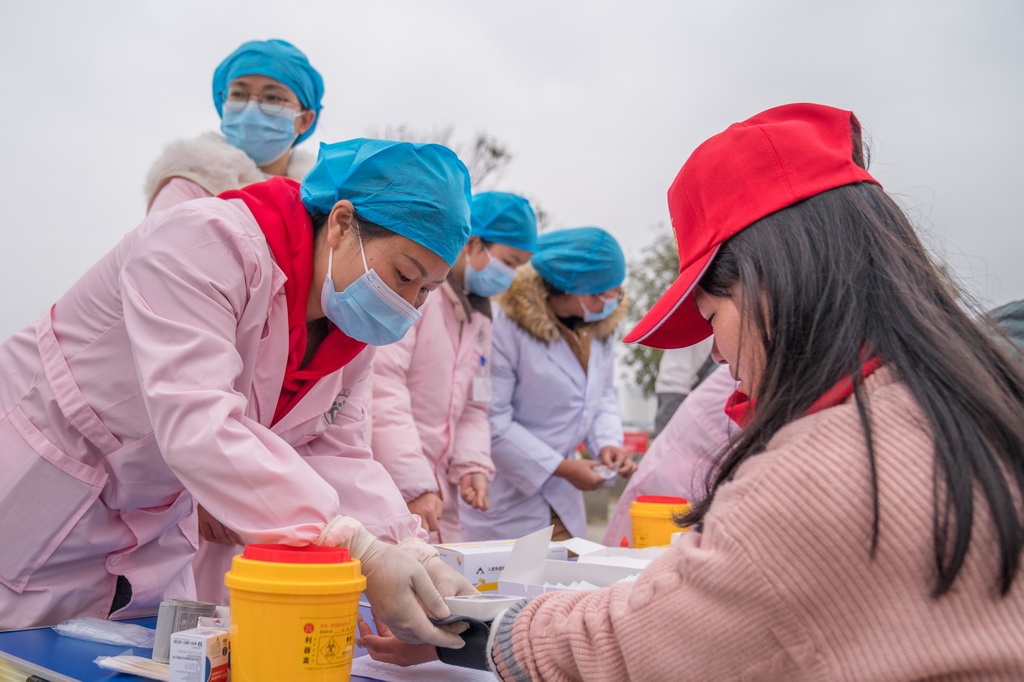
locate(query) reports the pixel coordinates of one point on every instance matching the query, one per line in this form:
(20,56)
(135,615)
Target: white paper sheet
(435,671)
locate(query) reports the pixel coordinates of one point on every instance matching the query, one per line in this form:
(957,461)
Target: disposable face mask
(264,137)
(495,278)
(610,304)
(368,310)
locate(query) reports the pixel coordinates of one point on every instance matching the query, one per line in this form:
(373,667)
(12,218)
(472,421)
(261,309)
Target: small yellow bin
(652,517)
(293,613)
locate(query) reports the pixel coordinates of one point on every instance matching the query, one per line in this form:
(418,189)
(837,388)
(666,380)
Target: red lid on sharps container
(286,554)
(661,499)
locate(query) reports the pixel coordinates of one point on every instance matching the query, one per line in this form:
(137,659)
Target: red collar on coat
(285,222)
(740,408)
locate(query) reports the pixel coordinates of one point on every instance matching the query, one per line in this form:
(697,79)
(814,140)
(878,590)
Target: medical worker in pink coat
(268,96)
(432,389)
(218,355)
(678,460)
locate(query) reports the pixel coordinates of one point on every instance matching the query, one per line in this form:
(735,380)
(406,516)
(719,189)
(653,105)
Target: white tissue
(583,584)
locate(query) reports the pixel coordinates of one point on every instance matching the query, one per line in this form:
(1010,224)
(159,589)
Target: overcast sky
(599,102)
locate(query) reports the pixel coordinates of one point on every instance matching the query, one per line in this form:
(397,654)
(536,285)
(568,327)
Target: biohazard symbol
(329,650)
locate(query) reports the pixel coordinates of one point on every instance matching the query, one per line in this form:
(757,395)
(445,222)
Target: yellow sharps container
(293,613)
(652,517)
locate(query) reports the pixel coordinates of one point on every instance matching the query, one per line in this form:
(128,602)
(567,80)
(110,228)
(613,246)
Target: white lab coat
(543,406)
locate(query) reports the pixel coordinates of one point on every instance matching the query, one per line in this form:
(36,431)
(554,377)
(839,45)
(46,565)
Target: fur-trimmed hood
(211,162)
(525,303)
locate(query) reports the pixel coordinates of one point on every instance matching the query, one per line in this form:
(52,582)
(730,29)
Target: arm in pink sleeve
(709,608)
(341,456)
(472,451)
(396,439)
(184,289)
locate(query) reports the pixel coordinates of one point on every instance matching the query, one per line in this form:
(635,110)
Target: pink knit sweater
(781,585)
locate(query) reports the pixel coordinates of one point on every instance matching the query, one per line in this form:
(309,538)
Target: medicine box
(199,655)
(482,562)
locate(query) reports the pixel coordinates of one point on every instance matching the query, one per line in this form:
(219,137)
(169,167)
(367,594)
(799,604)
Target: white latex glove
(399,587)
(446,579)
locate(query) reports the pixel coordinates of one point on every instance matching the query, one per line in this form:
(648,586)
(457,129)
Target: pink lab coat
(176,191)
(680,456)
(150,386)
(431,392)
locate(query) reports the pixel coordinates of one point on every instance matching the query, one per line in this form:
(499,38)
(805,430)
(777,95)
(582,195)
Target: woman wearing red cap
(866,523)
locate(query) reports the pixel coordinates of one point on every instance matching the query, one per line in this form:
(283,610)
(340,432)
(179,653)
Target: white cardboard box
(199,655)
(482,562)
(528,570)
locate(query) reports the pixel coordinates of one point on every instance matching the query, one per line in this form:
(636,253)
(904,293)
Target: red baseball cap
(750,170)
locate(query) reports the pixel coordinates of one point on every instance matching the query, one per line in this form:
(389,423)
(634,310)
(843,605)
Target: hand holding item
(447,581)
(428,506)
(580,472)
(473,489)
(384,646)
(397,584)
(213,530)
(618,460)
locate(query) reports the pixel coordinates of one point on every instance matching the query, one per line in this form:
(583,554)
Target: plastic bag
(107,632)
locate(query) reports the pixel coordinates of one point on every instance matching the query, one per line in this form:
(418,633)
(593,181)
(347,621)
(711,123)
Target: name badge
(481,389)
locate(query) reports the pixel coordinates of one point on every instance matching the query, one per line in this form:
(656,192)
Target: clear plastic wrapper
(107,632)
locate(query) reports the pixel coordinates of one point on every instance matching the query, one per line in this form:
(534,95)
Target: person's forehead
(402,250)
(258,80)
(506,250)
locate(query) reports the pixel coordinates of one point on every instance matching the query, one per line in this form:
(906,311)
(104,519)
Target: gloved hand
(397,584)
(446,579)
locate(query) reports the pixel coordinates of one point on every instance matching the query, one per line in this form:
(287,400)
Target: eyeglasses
(268,102)
(608,299)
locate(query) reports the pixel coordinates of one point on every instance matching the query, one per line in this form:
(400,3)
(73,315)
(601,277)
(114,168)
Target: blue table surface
(74,657)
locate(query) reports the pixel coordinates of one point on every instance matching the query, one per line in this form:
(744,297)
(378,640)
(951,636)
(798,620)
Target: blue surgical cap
(505,219)
(279,60)
(581,260)
(420,191)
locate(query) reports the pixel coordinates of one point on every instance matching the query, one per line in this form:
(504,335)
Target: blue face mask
(610,304)
(368,310)
(495,278)
(264,137)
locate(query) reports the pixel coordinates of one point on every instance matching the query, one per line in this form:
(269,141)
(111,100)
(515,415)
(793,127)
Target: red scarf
(740,407)
(278,209)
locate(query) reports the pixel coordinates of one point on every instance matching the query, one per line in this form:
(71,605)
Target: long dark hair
(841,275)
